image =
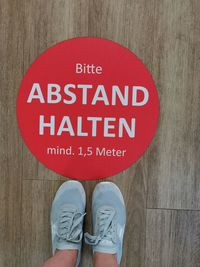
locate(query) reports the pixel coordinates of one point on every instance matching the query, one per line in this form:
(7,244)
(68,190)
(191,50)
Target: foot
(67,215)
(109,219)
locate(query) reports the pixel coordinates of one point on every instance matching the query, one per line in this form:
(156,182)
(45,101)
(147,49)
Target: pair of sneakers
(108,218)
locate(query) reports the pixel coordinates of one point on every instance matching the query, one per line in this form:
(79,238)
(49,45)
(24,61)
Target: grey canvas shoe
(67,214)
(109,219)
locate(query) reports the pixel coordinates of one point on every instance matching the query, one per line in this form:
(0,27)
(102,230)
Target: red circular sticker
(87,108)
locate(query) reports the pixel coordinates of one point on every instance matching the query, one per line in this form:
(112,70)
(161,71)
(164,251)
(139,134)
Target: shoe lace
(70,226)
(106,227)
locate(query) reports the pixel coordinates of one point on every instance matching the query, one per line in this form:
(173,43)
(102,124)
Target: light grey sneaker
(67,216)
(109,219)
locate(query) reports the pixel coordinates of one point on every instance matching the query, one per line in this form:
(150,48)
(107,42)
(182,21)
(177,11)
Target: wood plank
(36,232)
(11,54)
(172,238)
(132,185)
(43,26)
(173,159)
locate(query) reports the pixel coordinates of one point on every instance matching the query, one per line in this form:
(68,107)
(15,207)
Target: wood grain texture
(173,161)
(173,238)
(11,56)
(165,34)
(36,232)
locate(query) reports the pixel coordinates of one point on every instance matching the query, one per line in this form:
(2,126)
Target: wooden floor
(162,191)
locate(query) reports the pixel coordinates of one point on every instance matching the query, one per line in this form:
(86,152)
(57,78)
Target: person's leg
(105,260)
(109,219)
(62,258)
(67,215)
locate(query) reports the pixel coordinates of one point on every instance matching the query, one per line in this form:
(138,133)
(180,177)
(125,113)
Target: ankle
(69,255)
(105,259)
